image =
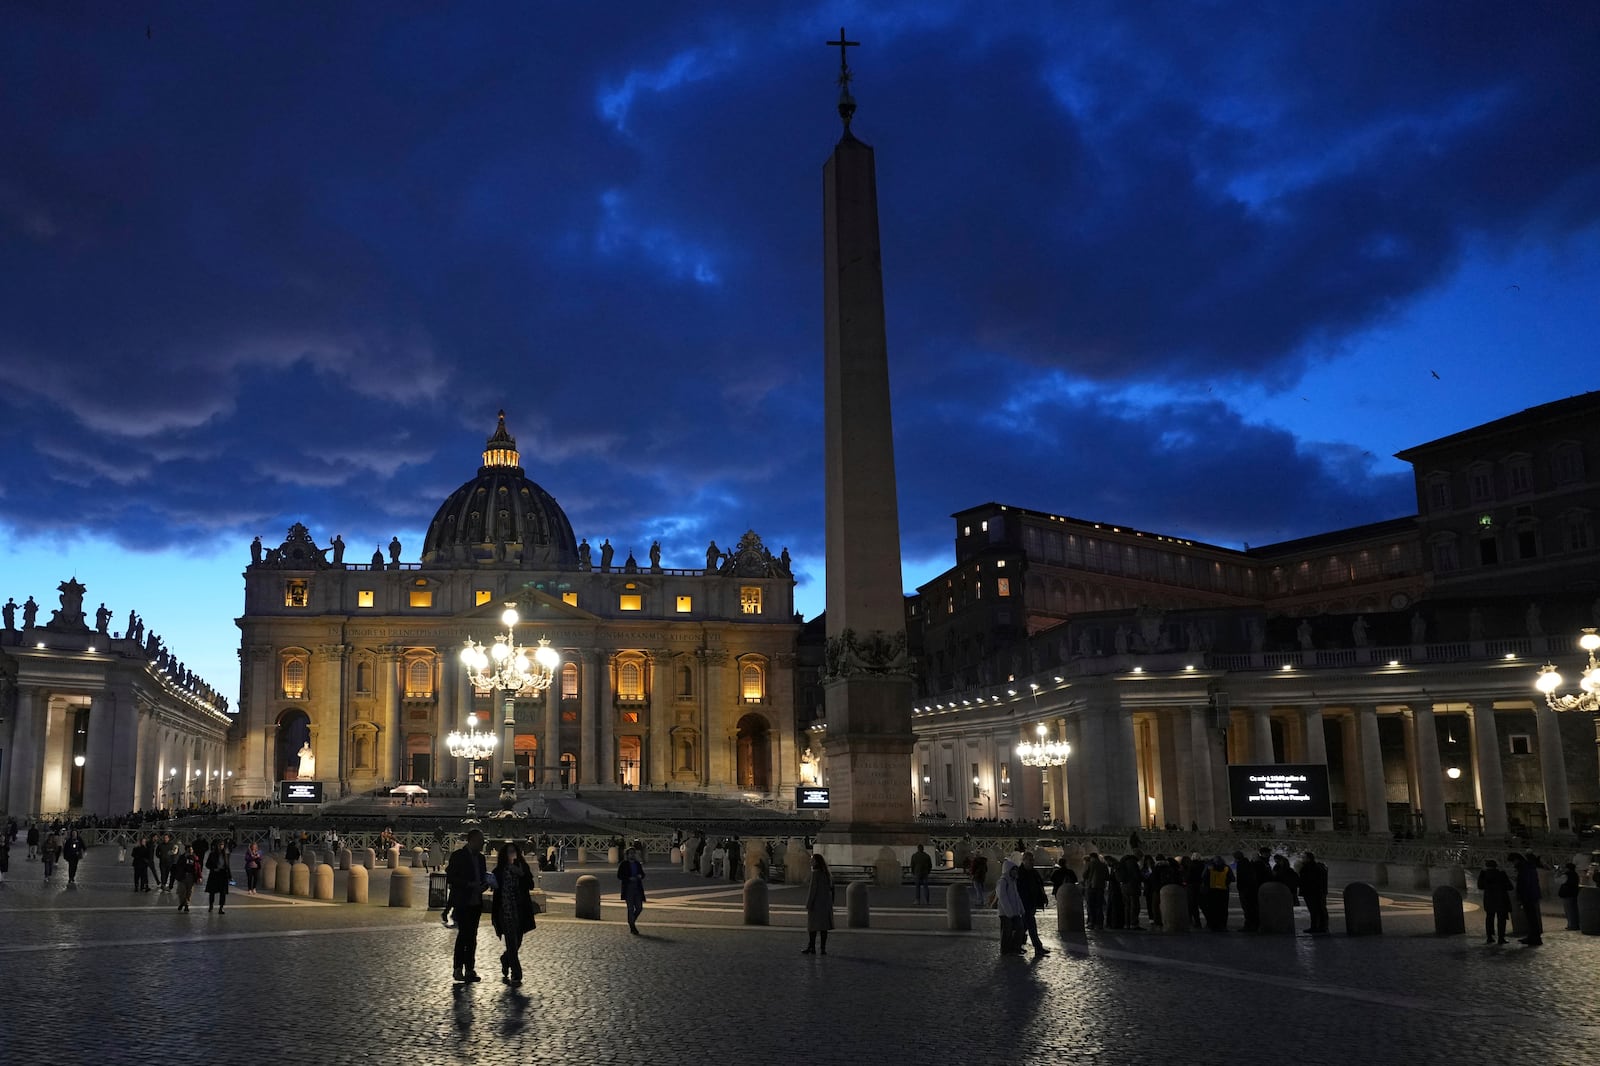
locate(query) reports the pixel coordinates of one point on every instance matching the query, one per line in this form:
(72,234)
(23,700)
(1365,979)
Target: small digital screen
(1282,790)
(810,798)
(300,791)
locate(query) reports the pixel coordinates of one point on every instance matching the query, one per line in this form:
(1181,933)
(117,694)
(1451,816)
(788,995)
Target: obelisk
(867,684)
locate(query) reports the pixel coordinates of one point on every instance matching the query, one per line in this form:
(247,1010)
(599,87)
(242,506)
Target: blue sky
(1190,268)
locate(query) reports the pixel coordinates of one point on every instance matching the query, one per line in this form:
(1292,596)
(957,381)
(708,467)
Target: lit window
(419,679)
(630,717)
(752,683)
(570,599)
(630,681)
(1002,586)
(984,525)
(685,604)
(977,587)
(294,678)
(364,598)
(630,601)
(481,596)
(295,593)
(569,681)
(749,600)
(422,597)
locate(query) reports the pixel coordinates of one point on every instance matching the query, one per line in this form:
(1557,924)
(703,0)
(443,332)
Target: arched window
(630,681)
(752,683)
(363,677)
(419,679)
(569,681)
(685,682)
(294,677)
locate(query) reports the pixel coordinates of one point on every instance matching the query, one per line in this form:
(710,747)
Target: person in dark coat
(218,877)
(33,842)
(141,864)
(1030,887)
(819,906)
(72,852)
(512,910)
(1094,890)
(185,875)
(1496,889)
(1527,889)
(1312,881)
(1567,892)
(630,872)
(466,876)
(1194,879)
(5,858)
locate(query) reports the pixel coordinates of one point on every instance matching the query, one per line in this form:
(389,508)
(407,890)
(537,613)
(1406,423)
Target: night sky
(1199,269)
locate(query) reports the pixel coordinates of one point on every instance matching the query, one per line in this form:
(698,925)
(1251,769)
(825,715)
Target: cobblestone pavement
(98,974)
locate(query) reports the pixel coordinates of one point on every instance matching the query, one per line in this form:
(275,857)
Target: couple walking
(511,908)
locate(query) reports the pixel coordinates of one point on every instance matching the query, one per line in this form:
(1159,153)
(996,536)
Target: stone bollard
(796,862)
(416,859)
(857,909)
(329,856)
(755,902)
(344,858)
(586,898)
(1589,910)
(355,887)
(949,858)
(688,859)
(1448,919)
(1380,874)
(583,856)
(613,855)
(399,888)
(958,908)
(1361,917)
(1275,906)
(674,857)
(886,868)
(369,858)
(392,856)
(1175,910)
(1069,908)
(300,880)
(266,879)
(322,888)
(284,879)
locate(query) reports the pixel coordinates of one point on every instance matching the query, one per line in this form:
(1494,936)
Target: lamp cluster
(1549,680)
(506,667)
(1043,752)
(471,744)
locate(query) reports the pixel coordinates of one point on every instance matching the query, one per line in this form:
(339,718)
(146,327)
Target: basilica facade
(679,677)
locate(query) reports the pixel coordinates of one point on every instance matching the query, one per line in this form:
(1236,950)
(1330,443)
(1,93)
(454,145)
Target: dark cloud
(266,266)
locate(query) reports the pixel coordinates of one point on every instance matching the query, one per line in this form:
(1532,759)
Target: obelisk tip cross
(847,103)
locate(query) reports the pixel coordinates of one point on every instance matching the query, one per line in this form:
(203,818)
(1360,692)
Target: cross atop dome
(501,447)
(847,103)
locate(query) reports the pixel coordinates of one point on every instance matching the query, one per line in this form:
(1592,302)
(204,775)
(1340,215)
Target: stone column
(655,747)
(1553,768)
(27,753)
(1204,807)
(780,700)
(1124,804)
(606,756)
(1316,750)
(589,733)
(1261,751)
(1374,791)
(1430,779)
(1491,785)
(335,702)
(550,745)
(389,738)
(1076,774)
(713,734)
(450,713)
(97,768)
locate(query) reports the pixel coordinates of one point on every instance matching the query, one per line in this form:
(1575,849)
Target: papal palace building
(1402,654)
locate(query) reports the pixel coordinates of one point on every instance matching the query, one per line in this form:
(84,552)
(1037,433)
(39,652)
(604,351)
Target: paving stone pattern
(99,974)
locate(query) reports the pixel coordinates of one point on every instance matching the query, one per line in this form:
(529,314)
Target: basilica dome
(500,516)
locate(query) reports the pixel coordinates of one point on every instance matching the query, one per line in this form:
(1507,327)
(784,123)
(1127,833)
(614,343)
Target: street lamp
(1044,752)
(1549,680)
(510,671)
(471,746)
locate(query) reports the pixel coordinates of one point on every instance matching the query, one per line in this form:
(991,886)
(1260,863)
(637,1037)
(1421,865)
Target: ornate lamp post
(1043,753)
(510,671)
(471,746)
(1588,699)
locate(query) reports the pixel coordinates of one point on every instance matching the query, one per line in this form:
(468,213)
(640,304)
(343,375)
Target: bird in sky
(1435,374)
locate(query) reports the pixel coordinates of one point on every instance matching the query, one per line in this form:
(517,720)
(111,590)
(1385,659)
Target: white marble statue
(308,762)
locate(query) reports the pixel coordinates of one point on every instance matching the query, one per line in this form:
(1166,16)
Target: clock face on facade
(1399,600)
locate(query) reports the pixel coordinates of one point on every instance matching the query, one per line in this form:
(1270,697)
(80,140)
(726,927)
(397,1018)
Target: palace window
(296,593)
(685,604)
(749,600)
(1445,560)
(1519,476)
(630,717)
(569,681)
(630,681)
(481,596)
(294,677)
(1579,535)
(570,599)
(752,683)
(419,679)
(1439,492)
(1521,744)
(1480,484)
(630,601)
(363,677)
(421,598)
(364,597)
(685,682)
(1568,464)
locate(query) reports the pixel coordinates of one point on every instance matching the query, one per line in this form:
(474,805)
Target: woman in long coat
(512,909)
(218,876)
(819,906)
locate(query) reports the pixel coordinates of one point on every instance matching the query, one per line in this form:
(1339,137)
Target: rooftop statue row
(70,618)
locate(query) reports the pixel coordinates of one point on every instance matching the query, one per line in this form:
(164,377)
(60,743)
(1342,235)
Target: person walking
(5,858)
(218,876)
(1312,881)
(252,867)
(1030,887)
(1567,892)
(819,906)
(921,870)
(1496,889)
(185,875)
(466,876)
(512,908)
(141,864)
(1008,901)
(1527,888)
(630,872)
(49,852)
(72,852)
(33,842)
(166,855)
